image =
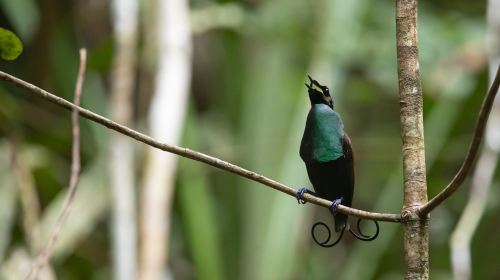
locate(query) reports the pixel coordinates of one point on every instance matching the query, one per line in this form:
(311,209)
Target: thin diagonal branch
(474,147)
(46,254)
(184,152)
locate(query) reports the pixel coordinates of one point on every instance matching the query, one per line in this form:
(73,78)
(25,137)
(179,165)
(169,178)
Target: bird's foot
(301,193)
(335,205)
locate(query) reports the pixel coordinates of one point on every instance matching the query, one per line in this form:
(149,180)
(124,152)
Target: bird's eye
(328,91)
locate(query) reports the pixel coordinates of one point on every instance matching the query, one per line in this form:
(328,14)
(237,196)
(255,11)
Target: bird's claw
(300,193)
(335,205)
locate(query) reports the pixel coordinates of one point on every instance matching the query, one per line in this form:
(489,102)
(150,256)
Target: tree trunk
(166,117)
(416,229)
(121,149)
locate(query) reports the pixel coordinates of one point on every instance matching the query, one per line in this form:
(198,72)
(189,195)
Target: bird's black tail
(341,222)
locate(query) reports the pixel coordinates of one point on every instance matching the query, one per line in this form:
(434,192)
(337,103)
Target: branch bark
(184,152)
(416,229)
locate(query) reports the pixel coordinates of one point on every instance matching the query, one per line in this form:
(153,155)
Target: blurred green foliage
(248,106)
(10,46)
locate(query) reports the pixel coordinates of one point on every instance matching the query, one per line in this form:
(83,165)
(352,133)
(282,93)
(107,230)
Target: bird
(327,153)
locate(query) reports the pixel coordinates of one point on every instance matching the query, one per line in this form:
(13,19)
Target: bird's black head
(319,94)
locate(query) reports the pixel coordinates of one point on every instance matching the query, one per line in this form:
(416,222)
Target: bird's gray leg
(301,192)
(335,205)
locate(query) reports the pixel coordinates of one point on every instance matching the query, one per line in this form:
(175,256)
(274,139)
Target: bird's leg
(301,192)
(335,205)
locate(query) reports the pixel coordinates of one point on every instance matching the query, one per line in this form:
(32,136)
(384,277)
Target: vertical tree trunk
(416,229)
(121,150)
(166,117)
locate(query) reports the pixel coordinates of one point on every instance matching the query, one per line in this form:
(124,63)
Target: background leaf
(10,46)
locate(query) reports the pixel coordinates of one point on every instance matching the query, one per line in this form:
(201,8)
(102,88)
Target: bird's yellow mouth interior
(316,87)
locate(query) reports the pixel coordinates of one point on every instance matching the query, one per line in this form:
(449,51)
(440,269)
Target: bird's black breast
(331,180)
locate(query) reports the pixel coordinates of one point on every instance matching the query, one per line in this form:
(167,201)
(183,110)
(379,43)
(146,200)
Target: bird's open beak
(315,83)
(318,85)
(310,79)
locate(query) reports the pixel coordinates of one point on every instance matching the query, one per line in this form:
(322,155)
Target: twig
(184,152)
(486,165)
(474,147)
(46,254)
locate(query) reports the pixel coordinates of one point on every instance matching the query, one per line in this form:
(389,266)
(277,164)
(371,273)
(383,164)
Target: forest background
(245,103)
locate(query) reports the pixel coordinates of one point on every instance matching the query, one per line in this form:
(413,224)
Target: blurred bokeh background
(226,78)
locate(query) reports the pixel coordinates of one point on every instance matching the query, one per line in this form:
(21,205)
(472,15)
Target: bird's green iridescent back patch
(322,140)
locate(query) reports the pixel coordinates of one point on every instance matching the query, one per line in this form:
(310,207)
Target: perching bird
(327,152)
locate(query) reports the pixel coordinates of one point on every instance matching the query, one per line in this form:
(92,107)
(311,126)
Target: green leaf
(10,46)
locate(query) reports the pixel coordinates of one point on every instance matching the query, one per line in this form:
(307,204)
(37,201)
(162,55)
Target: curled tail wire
(323,244)
(367,236)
